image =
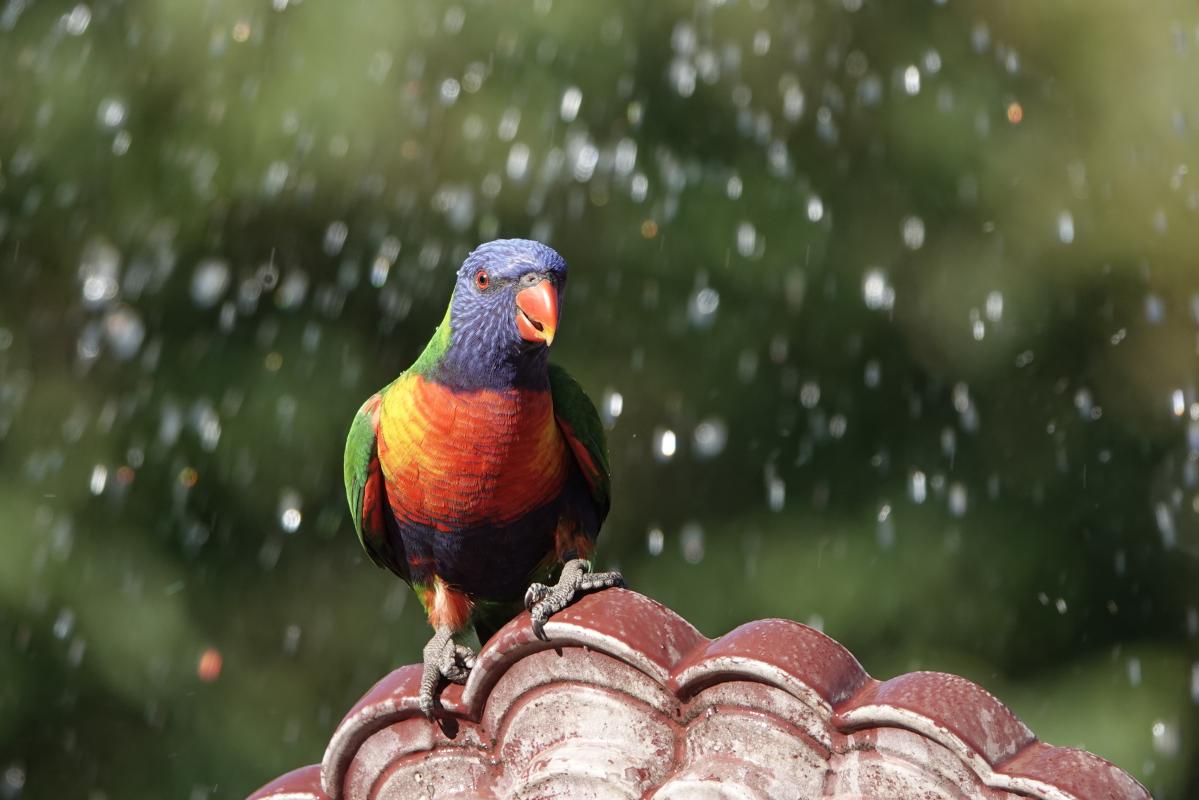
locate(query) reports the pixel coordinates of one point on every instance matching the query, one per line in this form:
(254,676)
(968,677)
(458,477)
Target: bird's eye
(482,279)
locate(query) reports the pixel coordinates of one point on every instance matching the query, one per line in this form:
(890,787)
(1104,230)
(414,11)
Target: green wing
(366,490)
(584,432)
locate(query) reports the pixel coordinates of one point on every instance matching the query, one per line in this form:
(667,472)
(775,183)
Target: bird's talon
(543,601)
(535,594)
(443,659)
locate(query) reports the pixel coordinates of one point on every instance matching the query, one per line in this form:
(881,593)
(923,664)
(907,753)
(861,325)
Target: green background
(912,286)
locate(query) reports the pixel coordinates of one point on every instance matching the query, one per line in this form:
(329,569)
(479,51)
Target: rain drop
(957,499)
(701,310)
(815,209)
(993,307)
(654,541)
(572,99)
(917,487)
(692,540)
(99,479)
(886,528)
(209,282)
(335,237)
(77,21)
(878,294)
(665,444)
(776,493)
(911,80)
(710,437)
(1065,227)
(747,239)
(518,162)
(124,331)
(913,232)
(289,511)
(111,113)
(99,269)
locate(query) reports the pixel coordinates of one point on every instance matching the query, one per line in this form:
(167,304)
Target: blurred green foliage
(892,307)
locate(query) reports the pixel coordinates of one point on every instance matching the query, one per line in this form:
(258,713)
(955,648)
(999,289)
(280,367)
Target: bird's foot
(545,601)
(444,658)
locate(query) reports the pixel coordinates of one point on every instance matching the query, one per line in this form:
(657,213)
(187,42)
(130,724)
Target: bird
(480,475)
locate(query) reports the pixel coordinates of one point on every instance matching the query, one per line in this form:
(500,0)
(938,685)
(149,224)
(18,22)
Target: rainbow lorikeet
(482,469)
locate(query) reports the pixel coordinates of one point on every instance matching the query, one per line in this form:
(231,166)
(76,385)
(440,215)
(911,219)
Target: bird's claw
(544,601)
(443,658)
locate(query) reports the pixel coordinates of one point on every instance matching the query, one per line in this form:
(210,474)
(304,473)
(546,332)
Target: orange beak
(537,313)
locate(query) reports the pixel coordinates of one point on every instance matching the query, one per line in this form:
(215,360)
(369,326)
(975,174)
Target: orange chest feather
(463,459)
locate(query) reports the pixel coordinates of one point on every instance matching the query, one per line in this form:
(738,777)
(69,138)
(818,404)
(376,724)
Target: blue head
(503,316)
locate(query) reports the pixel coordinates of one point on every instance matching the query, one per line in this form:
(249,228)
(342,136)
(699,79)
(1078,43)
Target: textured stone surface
(629,701)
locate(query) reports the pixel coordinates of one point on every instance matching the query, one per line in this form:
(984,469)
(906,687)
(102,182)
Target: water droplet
(911,80)
(701,311)
(837,426)
(912,230)
(1134,672)
(625,157)
(710,437)
(917,487)
(886,527)
(335,237)
(747,239)
(809,394)
(957,499)
(449,91)
(638,187)
(878,294)
(692,540)
(655,540)
(776,493)
(665,444)
(980,37)
(293,289)
(289,510)
(793,102)
(1165,525)
(586,157)
(209,282)
(733,187)
(518,162)
(509,125)
(1065,227)
(1155,309)
(14,781)
(206,423)
(124,332)
(613,406)
(99,479)
(121,143)
(77,21)
(64,623)
(993,307)
(111,113)
(99,269)
(291,639)
(1166,739)
(572,99)
(1178,402)
(815,209)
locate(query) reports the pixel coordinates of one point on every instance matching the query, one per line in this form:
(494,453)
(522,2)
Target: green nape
(438,344)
